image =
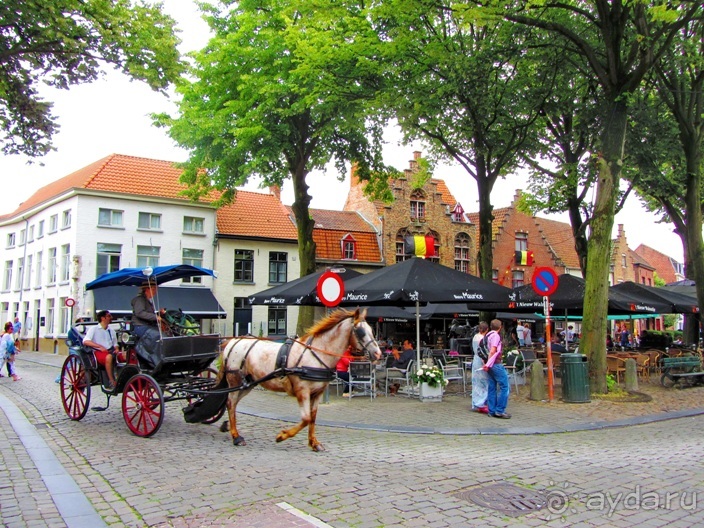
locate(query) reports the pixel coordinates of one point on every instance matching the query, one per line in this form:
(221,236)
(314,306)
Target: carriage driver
(102,339)
(143,313)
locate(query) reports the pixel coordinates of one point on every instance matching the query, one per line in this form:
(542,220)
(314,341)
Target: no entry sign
(544,281)
(330,289)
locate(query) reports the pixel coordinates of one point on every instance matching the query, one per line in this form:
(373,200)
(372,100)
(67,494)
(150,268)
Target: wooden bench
(684,370)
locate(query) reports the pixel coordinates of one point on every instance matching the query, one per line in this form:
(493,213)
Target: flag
(524,258)
(419,245)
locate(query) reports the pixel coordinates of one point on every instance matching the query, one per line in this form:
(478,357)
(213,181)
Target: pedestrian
(342,370)
(497,395)
(480,378)
(520,333)
(16,329)
(8,352)
(527,336)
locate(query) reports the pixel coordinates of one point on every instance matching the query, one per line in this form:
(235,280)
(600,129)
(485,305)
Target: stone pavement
(119,481)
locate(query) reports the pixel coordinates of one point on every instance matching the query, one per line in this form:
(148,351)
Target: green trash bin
(575,378)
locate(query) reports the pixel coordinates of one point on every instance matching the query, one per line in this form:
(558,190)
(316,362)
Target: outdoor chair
(455,372)
(362,376)
(402,377)
(616,366)
(511,367)
(643,366)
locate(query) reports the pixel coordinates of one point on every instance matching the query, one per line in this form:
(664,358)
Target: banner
(419,245)
(524,258)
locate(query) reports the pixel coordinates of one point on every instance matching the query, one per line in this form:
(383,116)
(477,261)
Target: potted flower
(432,381)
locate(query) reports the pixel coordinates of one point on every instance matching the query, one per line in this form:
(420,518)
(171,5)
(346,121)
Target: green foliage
(433,376)
(422,175)
(611,385)
(64,43)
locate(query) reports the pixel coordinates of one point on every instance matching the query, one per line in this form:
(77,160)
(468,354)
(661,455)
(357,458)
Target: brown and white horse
(247,360)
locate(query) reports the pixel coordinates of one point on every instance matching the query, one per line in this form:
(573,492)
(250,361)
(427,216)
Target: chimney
(276,191)
(416,155)
(354,179)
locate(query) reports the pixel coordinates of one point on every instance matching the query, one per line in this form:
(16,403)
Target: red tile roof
(256,215)
(558,236)
(118,174)
(332,226)
(659,261)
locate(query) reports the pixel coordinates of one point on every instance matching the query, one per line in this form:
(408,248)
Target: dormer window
(349,248)
(458,213)
(417,204)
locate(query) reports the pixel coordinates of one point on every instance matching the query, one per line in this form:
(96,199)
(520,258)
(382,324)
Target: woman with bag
(8,351)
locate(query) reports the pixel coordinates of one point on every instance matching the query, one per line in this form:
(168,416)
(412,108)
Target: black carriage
(177,367)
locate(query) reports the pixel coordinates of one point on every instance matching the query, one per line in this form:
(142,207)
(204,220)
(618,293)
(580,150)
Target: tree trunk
(593,342)
(306,245)
(693,227)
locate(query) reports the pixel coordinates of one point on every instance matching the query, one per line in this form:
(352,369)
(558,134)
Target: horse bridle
(359,335)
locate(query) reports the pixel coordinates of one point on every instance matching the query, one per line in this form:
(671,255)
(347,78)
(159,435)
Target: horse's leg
(303,397)
(235,379)
(312,440)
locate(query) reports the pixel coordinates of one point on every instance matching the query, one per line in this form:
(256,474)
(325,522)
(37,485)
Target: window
(7,276)
(109,218)
(53,223)
(193,225)
(20,269)
(349,248)
(193,257)
(521,241)
(277,321)
(66,219)
(40,229)
(243,316)
(623,261)
(30,238)
(10,240)
(64,316)
(51,266)
(495,276)
(148,256)
(23,237)
(38,271)
(108,258)
(278,265)
(244,265)
(417,204)
(517,279)
(400,245)
(49,328)
(65,262)
(436,246)
(462,245)
(149,221)
(28,272)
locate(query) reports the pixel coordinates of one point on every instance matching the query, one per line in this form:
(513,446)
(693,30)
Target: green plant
(433,376)
(610,382)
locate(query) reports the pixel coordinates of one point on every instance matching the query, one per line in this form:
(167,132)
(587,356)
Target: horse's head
(362,338)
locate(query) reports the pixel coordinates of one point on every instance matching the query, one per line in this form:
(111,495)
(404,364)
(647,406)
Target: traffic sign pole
(551,381)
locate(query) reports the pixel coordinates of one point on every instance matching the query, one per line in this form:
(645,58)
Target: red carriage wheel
(143,405)
(75,387)
(209,373)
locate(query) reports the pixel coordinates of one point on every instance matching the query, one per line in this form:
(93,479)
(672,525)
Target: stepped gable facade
(429,209)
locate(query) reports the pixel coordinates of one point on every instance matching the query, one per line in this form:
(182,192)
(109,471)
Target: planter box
(430,394)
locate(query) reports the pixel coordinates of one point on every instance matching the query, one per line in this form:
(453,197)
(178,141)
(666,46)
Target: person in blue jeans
(497,397)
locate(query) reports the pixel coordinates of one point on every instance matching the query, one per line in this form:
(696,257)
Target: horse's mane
(326,324)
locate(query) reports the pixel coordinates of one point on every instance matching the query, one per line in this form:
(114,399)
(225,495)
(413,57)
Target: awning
(197,302)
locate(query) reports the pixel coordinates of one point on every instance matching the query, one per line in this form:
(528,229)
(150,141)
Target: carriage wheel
(75,387)
(209,373)
(143,405)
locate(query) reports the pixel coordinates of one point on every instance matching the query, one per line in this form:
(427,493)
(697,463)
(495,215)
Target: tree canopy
(66,42)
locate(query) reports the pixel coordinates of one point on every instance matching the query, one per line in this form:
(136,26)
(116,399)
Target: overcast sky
(112,116)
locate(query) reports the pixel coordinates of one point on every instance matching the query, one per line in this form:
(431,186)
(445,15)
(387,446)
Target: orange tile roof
(119,174)
(558,235)
(340,220)
(500,215)
(444,190)
(256,215)
(659,261)
(328,245)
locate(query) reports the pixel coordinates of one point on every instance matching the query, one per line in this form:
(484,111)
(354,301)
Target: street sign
(70,302)
(330,289)
(544,281)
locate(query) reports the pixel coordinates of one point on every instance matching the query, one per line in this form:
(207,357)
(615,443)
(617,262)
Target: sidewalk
(452,416)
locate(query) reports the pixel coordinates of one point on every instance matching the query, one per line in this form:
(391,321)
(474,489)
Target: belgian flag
(419,245)
(524,258)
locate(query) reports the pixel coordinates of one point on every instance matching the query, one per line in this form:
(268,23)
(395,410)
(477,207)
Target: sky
(111,116)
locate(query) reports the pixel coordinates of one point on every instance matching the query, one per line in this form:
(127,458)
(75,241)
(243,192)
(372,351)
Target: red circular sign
(330,289)
(544,281)
(70,302)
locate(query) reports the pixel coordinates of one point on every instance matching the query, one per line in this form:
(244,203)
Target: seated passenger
(102,339)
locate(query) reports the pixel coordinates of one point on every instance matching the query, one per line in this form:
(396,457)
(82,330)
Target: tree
(617,43)
(63,43)
(261,102)
(461,87)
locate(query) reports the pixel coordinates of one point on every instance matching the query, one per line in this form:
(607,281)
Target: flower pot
(430,394)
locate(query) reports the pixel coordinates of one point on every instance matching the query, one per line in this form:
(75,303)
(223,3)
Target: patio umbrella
(679,303)
(685,286)
(301,291)
(148,275)
(418,281)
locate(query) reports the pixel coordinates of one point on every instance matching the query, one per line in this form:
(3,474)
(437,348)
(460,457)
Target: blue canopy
(147,275)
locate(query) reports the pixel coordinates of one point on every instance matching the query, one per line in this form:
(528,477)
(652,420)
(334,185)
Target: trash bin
(575,378)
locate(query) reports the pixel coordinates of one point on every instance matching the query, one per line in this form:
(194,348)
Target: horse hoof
(239,441)
(318,448)
(225,426)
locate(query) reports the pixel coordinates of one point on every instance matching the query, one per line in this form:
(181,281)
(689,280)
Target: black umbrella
(301,291)
(642,294)
(418,281)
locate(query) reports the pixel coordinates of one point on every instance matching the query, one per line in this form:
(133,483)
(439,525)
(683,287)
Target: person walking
(8,351)
(480,378)
(498,392)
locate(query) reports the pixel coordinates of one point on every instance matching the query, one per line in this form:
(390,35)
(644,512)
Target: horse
(301,368)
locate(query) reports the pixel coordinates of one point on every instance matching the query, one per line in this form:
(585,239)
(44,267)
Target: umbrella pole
(418,333)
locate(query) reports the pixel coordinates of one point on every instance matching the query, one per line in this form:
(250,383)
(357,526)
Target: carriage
(178,366)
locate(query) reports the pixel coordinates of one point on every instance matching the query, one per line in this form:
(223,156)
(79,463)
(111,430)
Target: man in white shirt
(102,339)
(520,333)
